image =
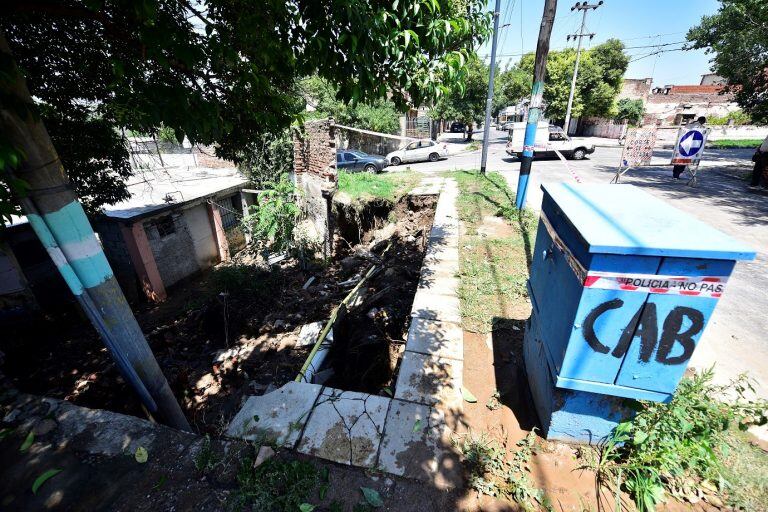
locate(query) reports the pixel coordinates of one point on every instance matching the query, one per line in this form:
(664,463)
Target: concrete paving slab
(417,445)
(442,285)
(425,190)
(436,338)
(433,306)
(441,339)
(346,427)
(430,380)
(441,253)
(279,416)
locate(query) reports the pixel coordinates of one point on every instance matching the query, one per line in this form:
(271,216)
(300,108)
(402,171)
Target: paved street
(735,339)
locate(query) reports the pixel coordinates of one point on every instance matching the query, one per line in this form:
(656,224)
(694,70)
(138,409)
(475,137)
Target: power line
(585,8)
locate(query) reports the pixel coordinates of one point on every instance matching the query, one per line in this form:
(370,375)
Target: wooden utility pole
(584,7)
(60,223)
(489,99)
(534,107)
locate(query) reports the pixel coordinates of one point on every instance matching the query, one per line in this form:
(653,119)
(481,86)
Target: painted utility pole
(489,100)
(584,7)
(534,108)
(60,223)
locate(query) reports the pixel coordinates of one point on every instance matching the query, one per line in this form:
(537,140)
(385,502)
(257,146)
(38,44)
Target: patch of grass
(205,460)
(365,186)
(494,262)
(746,467)
(275,486)
(473,146)
(735,143)
(686,448)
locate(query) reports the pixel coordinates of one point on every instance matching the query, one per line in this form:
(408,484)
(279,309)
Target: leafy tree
(465,102)
(738,117)
(601,70)
(738,37)
(268,158)
(380,115)
(510,87)
(631,110)
(221,71)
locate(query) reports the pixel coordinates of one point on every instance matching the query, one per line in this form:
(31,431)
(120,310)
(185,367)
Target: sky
(638,23)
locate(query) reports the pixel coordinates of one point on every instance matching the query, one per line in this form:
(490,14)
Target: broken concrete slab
(441,339)
(417,444)
(346,427)
(278,416)
(433,306)
(308,334)
(430,380)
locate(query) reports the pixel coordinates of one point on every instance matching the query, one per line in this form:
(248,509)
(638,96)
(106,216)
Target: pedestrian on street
(760,171)
(698,123)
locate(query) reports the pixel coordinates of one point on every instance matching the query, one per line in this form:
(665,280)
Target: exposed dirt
(232,331)
(369,337)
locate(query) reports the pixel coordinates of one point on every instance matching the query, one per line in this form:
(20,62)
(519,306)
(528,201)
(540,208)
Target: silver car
(419,151)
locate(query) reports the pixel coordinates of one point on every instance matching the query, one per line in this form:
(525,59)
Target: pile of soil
(232,331)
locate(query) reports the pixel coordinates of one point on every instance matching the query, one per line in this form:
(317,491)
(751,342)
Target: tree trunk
(60,222)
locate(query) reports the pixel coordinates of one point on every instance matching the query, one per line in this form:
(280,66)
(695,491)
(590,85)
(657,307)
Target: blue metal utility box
(622,286)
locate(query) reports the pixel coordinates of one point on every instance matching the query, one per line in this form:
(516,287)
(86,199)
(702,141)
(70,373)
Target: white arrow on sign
(690,142)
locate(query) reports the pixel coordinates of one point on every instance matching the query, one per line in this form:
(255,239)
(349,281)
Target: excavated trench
(369,332)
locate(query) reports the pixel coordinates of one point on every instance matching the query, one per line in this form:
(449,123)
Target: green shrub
(674,448)
(271,221)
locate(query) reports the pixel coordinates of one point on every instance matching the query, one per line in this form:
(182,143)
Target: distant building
(712,79)
(679,104)
(636,88)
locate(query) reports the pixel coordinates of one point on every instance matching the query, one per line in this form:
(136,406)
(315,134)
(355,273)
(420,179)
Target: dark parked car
(457,127)
(353,160)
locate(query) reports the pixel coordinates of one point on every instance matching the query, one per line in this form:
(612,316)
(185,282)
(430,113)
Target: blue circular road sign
(691,143)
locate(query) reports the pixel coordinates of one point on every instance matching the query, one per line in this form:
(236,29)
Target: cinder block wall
(174,253)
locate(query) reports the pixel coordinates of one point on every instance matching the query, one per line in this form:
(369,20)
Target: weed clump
(678,448)
(489,471)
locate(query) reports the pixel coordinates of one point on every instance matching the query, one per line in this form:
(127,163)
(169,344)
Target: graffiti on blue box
(676,336)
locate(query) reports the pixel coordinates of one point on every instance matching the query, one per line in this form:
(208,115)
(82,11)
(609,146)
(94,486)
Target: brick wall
(314,150)
(314,167)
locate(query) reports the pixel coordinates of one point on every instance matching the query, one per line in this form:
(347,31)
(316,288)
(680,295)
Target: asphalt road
(736,339)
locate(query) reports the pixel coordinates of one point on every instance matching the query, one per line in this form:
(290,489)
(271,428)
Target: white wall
(199,226)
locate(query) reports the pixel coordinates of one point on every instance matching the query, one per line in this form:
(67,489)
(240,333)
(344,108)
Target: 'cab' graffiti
(644,325)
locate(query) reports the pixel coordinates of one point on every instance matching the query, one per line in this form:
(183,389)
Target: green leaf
(372,496)
(27,442)
(5,433)
(43,478)
(323,491)
(640,438)
(468,397)
(141,455)
(417,426)
(306,507)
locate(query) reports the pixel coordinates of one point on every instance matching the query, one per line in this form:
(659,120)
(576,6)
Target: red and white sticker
(697,286)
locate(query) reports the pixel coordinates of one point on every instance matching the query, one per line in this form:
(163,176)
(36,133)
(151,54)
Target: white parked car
(418,151)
